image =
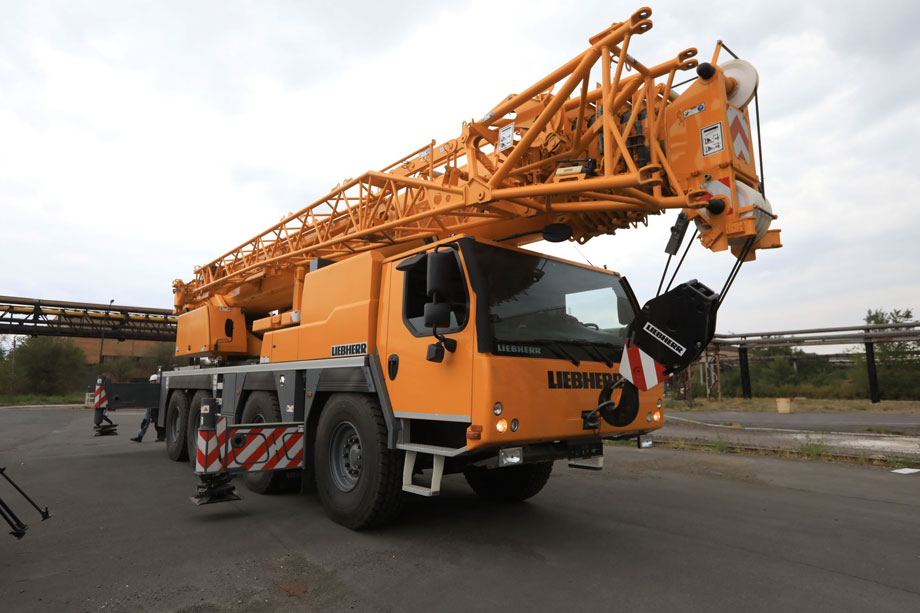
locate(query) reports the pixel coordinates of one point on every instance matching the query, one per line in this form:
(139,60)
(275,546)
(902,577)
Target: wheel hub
(345,460)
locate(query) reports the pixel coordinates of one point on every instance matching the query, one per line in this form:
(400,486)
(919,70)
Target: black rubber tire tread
(194,419)
(264,405)
(378,497)
(509,484)
(177,409)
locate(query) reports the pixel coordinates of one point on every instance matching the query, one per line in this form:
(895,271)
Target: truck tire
(358,478)
(510,484)
(194,420)
(262,407)
(176,430)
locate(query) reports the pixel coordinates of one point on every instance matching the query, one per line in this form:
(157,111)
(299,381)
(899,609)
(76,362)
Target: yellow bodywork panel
(338,315)
(212,330)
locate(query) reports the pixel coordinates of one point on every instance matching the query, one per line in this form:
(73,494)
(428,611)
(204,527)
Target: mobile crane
(395,327)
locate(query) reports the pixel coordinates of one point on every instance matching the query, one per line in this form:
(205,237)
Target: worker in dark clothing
(150,416)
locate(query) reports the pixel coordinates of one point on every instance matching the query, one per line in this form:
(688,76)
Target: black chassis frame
(297,384)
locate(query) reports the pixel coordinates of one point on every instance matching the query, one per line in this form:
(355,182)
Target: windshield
(545,308)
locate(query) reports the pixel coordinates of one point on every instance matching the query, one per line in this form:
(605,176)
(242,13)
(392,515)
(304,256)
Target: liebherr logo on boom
(664,339)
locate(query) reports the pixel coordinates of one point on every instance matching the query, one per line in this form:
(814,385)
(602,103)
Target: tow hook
(616,413)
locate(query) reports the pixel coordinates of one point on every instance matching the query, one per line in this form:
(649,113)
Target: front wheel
(358,478)
(510,484)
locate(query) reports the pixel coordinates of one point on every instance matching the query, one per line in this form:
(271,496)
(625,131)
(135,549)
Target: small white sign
(506,137)
(711,137)
(693,111)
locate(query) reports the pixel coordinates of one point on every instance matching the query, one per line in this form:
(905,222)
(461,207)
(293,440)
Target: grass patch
(799,405)
(815,450)
(809,453)
(27,399)
(881,430)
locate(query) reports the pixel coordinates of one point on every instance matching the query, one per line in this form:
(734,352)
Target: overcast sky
(140,139)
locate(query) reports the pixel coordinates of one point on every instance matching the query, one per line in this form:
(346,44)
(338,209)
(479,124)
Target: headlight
(498,408)
(501,425)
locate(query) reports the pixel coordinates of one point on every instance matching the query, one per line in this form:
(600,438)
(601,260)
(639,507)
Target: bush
(45,365)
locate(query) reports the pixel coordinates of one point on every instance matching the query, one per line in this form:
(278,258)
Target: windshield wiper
(592,346)
(599,353)
(555,347)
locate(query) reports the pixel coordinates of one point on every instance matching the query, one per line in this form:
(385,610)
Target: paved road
(657,530)
(824,421)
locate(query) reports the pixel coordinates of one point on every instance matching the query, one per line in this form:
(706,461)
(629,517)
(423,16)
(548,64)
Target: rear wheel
(262,407)
(358,478)
(194,419)
(176,431)
(510,484)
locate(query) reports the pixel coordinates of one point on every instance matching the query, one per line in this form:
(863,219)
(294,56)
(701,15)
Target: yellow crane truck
(395,330)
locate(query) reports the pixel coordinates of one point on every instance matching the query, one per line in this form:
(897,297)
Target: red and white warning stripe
(249,448)
(99,399)
(721,188)
(640,369)
(740,134)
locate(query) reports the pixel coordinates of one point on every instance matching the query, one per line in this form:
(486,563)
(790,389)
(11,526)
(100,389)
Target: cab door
(417,387)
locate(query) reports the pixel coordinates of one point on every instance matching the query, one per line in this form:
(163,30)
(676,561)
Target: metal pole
(745,373)
(873,376)
(718,373)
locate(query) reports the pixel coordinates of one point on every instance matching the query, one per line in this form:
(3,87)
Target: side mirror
(440,266)
(437,315)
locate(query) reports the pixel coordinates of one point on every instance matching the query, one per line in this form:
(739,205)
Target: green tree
(49,365)
(897,363)
(895,352)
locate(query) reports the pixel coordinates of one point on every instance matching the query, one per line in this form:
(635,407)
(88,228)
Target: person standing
(150,415)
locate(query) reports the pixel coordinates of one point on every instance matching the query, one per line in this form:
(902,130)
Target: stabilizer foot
(213,489)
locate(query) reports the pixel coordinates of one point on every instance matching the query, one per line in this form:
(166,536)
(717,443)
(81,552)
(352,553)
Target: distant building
(110,348)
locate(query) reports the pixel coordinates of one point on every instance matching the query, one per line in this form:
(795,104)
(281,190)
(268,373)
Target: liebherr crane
(395,330)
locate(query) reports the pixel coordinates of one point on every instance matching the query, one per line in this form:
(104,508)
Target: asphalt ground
(658,529)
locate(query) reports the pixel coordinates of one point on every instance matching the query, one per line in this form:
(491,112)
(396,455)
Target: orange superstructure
(395,326)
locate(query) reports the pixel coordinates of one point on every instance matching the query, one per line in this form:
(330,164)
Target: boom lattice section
(589,157)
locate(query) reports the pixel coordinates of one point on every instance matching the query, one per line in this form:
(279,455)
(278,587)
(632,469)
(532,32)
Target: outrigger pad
(214,488)
(106,430)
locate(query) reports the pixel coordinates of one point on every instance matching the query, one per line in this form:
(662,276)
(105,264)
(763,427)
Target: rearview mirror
(437,315)
(440,266)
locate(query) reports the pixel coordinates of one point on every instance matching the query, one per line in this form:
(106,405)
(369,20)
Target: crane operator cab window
(415,297)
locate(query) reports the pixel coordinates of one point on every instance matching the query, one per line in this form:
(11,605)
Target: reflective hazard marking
(740,134)
(640,369)
(99,399)
(711,139)
(506,137)
(249,448)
